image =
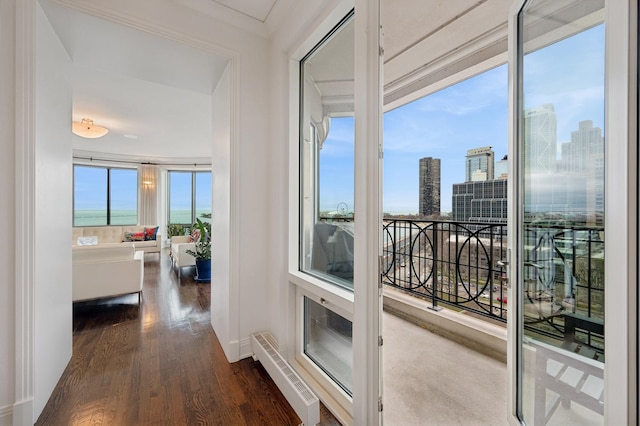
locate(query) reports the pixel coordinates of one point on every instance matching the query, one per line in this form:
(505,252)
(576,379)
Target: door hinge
(380,341)
(381,50)
(380,404)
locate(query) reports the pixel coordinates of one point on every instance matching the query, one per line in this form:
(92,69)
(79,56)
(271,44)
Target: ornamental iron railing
(458,264)
(450,262)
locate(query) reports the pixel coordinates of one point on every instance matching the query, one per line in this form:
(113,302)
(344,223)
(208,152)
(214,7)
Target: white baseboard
(20,414)
(6,416)
(245,348)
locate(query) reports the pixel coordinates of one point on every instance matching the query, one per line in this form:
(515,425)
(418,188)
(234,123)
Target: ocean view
(128,217)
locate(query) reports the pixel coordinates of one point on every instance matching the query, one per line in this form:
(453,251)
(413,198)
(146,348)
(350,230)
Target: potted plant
(202,253)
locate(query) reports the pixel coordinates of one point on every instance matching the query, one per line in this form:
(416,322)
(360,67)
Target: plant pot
(203,271)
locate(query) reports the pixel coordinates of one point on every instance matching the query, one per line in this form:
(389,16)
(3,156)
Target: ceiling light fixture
(87,129)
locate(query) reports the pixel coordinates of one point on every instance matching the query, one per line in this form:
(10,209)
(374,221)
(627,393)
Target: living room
(154,96)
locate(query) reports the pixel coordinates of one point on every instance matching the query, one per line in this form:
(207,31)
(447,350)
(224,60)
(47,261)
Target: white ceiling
(159,91)
(153,94)
(258,10)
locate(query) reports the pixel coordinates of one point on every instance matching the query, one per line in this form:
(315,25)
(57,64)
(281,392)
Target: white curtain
(148,179)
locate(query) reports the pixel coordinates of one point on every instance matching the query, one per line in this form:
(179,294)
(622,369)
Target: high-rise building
(479,164)
(586,143)
(540,139)
(429,186)
(502,168)
(584,157)
(480,201)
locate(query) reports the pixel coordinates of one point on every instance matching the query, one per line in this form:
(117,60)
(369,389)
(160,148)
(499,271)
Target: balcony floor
(430,380)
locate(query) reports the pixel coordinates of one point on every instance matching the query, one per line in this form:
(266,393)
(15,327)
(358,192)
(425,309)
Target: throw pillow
(195,235)
(150,233)
(87,241)
(133,236)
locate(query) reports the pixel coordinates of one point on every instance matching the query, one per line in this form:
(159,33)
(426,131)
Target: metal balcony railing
(448,262)
(457,264)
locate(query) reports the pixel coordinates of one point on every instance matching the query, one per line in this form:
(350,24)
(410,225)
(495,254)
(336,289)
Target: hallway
(159,363)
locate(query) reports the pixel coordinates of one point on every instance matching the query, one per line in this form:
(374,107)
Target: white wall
(223,315)
(7,209)
(53,203)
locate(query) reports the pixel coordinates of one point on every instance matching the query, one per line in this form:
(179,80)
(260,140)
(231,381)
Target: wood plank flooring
(160,363)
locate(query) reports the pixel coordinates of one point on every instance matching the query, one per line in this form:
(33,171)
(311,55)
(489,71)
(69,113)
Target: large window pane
(203,196)
(189,197)
(104,196)
(123,186)
(89,196)
(327,159)
(328,341)
(562,144)
(180,198)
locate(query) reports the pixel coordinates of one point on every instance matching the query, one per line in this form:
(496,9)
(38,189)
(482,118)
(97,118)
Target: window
(189,197)
(104,196)
(326,233)
(327,160)
(328,341)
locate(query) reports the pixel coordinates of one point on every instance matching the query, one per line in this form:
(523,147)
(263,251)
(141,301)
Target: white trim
(245,348)
(367,371)
(234,203)
(22,413)
(621,212)
(6,415)
(513,219)
(25,211)
(340,297)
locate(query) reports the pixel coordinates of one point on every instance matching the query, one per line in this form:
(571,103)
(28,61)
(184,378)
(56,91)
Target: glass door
(559,212)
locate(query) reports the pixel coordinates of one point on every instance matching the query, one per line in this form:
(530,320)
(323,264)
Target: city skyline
(468,115)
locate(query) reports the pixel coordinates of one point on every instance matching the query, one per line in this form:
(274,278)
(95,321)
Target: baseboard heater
(303,401)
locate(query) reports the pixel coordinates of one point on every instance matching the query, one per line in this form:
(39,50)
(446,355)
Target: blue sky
(470,114)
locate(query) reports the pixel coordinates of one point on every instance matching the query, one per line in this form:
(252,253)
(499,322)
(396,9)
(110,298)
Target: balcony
(431,265)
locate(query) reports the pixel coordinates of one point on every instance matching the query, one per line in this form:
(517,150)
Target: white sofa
(115,235)
(106,270)
(179,256)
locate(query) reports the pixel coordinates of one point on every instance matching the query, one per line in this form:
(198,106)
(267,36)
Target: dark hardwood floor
(160,363)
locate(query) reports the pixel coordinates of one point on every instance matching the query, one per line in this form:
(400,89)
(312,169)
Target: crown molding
(109,11)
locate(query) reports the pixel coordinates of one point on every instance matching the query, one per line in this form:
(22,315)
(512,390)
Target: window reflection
(562,143)
(327,158)
(328,341)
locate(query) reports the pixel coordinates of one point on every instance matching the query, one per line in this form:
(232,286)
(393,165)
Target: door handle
(502,263)
(534,265)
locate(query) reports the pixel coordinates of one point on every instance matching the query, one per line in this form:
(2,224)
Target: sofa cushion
(141,244)
(134,236)
(105,234)
(195,235)
(77,233)
(88,241)
(150,233)
(103,253)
